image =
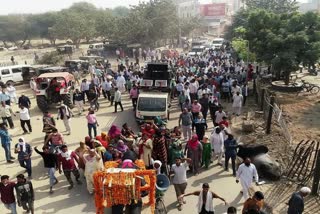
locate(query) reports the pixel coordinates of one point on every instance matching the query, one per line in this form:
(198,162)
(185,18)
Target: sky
(39,6)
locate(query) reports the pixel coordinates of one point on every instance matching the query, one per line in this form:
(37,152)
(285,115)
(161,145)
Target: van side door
(17,74)
(6,75)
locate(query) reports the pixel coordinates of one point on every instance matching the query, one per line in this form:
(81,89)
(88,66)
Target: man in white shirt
(121,81)
(245,174)
(235,88)
(217,145)
(106,87)
(84,88)
(237,103)
(117,100)
(219,116)
(25,119)
(12,93)
(179,172)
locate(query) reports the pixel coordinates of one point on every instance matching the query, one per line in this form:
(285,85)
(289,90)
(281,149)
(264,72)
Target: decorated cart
(115,186)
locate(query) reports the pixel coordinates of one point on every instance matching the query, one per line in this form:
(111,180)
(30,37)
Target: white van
(217,43)
(12,74)
(96,46)
(151,105)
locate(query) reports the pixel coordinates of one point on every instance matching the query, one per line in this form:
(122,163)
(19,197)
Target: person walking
(296,202)
(206,152)
(244,90)
(50,162)
(6,142)
(134,93)
(6,114)
(7,194)
(25,119)
(237,103)
(4,96)
(78,100)
(117,100)
(24,151)
(25,193)
(246,172)
(193,150)
(217,143)
(201,126)
(55,138)
(218,116)
(12,93)
(66,162)
(106,87)
(230,145)
(24,101)
(48,124)
(92,123)
(145,145)
(254,204)
(93,163)
(65,113)
(179,172)
(185,121)
(205,199)
(84,89)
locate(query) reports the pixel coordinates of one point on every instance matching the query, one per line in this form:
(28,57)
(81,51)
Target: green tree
(72,25)
(275,6)
(120,11)
(15,29)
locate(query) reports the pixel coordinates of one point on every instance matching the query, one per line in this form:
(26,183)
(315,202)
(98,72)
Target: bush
(52,58)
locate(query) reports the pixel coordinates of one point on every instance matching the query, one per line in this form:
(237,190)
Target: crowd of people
(204,86)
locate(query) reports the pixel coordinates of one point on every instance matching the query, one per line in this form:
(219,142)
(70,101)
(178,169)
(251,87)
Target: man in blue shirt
(296,202)
(6,142)
(230,145)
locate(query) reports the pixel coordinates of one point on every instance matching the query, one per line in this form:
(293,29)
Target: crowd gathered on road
(203,87)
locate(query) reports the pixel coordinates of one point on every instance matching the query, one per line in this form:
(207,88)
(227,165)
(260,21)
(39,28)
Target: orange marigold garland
(123,187)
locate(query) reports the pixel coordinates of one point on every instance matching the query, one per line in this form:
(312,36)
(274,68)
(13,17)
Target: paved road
(77,200)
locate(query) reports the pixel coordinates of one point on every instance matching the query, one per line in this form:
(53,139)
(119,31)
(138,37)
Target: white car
(13,48)
(217,43)
(197,50)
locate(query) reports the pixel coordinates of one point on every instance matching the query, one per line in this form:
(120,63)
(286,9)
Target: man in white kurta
(246,173)
(237,103)
(12,93)
(93,163)
(121,81)
(217,145)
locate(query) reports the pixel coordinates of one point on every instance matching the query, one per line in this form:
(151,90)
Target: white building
(187,8)
(311,5)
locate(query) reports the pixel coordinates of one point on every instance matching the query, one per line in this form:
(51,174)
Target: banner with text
(213,10)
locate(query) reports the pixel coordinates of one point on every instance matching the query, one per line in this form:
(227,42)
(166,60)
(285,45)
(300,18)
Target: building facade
(187,8)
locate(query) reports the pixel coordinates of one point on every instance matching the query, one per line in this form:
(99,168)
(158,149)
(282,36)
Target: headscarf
(104,135)
(114,132)
(193,142)
(121,146)
(103,142)
(22,143)
(158,170)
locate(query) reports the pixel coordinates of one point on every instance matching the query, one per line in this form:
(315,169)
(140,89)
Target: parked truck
(154,97)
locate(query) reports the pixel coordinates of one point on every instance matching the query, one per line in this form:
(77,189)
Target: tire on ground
(66,98)
(42,103)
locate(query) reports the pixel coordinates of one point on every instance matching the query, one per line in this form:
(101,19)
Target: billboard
(212,10)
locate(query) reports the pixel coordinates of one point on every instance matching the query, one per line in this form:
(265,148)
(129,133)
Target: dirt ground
(301,112)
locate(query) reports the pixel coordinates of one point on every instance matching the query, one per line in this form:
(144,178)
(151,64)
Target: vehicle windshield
(152,104)
(220,42)
(196,50)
